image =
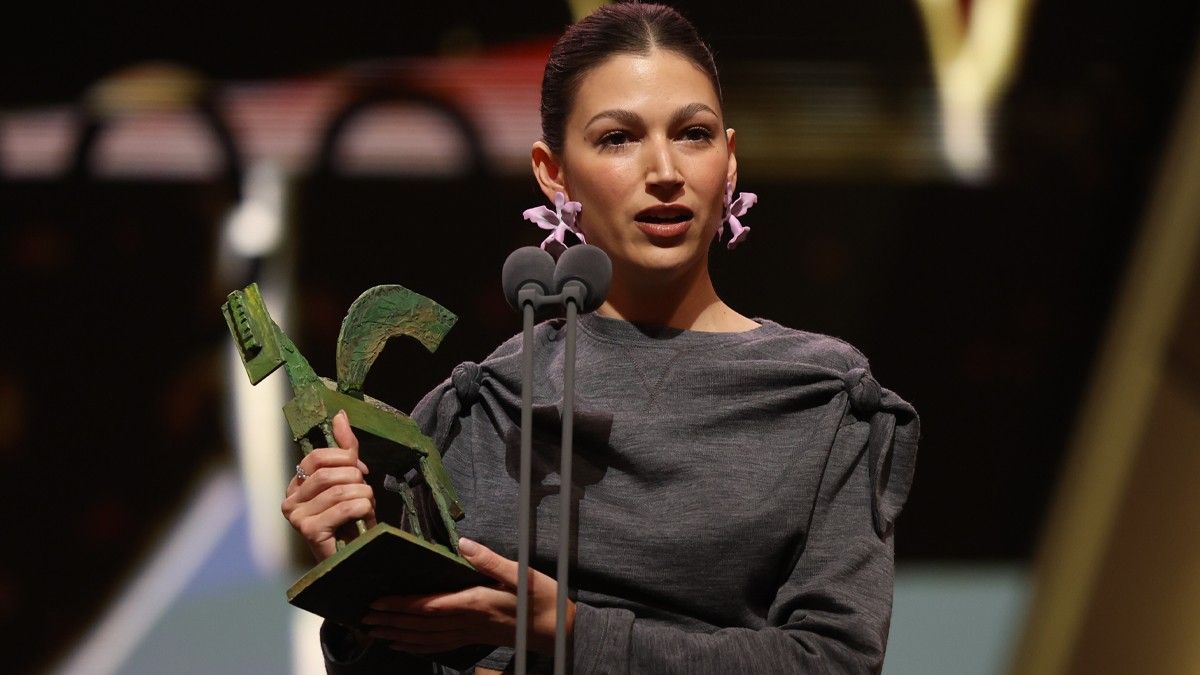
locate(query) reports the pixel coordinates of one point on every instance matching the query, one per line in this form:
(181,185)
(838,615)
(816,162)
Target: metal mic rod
(527,310)
(564,492)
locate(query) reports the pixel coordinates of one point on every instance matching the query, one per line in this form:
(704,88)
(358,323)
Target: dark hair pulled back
(625,28)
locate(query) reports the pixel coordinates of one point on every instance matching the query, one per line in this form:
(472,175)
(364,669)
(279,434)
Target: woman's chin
(658,261)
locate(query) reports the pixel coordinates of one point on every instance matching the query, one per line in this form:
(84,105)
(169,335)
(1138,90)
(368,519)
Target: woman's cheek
(605,196)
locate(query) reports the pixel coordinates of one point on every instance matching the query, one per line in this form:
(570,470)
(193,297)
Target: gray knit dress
(734,495)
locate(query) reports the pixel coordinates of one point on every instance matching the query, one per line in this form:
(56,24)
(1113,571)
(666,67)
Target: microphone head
(588,265)
(527,265)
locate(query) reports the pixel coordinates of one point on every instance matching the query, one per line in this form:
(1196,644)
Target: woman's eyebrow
(630,118)
(625,117)
(689,110)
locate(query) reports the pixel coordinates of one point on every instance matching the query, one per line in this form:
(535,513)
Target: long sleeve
(832,612)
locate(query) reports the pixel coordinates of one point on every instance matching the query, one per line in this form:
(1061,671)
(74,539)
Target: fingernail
(341,414)
(363,467)
(467,547)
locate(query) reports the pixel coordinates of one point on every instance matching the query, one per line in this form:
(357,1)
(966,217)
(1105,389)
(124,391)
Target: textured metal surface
(381,313)
(384,559)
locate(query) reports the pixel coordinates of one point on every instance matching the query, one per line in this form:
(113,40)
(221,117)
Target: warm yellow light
(973,62)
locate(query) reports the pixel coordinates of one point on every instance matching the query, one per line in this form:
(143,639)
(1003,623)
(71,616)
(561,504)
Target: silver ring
(300,473)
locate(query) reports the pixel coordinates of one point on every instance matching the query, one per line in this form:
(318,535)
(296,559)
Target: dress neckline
(629,332)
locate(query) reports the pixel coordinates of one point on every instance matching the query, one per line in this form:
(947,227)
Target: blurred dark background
(981,301)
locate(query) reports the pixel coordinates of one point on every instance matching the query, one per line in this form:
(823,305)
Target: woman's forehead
(659,82)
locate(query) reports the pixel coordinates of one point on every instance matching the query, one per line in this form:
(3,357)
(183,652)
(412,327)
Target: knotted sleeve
(891,444)
(440,409)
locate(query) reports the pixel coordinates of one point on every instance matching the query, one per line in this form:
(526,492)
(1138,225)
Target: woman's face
(646,154)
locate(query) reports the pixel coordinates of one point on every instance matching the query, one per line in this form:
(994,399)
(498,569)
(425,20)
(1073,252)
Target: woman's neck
(688,302)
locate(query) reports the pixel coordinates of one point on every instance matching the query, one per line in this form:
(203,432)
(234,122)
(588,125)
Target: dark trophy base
(386,560)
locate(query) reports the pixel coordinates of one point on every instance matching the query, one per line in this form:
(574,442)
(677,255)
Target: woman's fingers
(543,592)
(420,624)
(504,570)
(433,623)
(343,434)
(489,562)
(328,499)
(474,600)
(323,490)
(323,479)
(346,454)
(320,527)
(325,458)
(332,492)
(330,457)
(423,624)
(321,483)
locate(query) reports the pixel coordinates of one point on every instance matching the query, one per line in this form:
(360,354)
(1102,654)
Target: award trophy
(415,553)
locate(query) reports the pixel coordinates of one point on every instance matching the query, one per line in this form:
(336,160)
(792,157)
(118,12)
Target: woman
(736,480)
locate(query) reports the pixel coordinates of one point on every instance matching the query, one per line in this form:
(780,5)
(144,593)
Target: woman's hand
(334,493)
(427,624)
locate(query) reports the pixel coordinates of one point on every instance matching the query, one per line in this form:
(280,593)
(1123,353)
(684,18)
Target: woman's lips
(664,230)
(665,221)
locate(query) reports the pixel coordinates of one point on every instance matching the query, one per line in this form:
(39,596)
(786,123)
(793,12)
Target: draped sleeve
(891,444)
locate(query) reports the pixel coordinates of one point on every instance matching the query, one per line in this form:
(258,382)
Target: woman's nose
(661,169)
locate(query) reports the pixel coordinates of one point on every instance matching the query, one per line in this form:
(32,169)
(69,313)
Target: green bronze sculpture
(390,558)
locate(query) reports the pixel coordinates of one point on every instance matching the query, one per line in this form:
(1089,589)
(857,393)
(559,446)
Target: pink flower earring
(561,219)
(733,209)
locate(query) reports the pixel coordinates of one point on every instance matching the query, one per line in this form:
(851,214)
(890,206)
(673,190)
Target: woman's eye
(697,134)
(614,138)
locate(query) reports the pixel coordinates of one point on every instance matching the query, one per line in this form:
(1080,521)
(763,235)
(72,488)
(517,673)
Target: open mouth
(664,215)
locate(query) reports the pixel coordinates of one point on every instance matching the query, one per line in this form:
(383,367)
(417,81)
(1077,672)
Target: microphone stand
(529,299)
(564,478)
(527,277)
(574,294)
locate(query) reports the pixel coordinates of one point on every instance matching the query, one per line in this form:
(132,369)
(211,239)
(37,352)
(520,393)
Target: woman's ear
(548,170)
(731,169)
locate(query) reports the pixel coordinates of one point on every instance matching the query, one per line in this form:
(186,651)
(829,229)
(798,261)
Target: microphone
(528,269)
(531,280)
(583,274)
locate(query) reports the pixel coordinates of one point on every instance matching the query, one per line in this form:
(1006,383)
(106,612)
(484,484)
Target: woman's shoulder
(544,333)
(804,346)
(770,341)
